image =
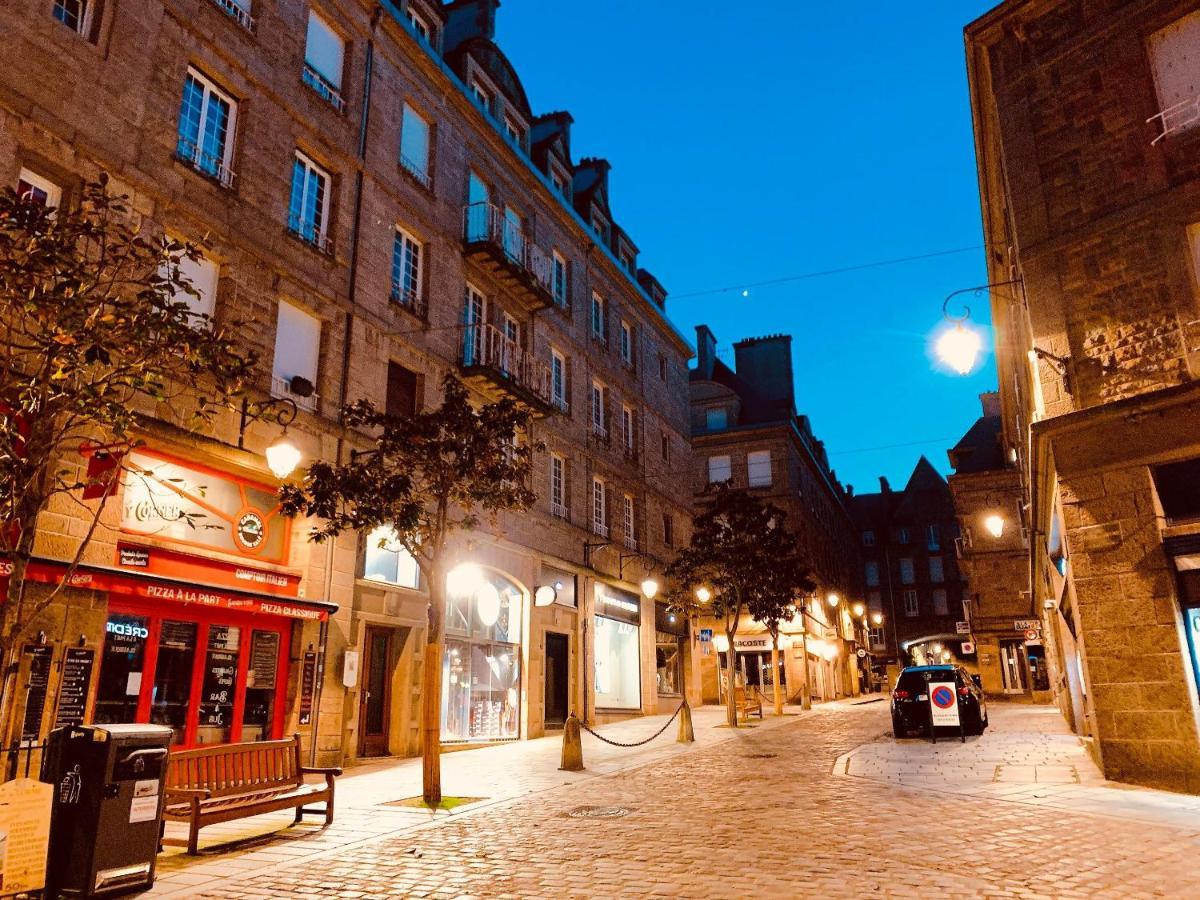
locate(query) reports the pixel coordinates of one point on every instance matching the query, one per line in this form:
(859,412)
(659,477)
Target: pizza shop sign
(199,507)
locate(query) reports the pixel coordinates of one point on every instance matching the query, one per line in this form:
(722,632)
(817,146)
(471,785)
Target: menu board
(36,685)
(264,660)
(308,683)
(216,690)
(73,688)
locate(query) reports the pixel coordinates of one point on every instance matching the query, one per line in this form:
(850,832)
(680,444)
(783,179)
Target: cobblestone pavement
(762,813)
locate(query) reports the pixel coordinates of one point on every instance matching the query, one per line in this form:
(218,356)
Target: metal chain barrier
(634,743)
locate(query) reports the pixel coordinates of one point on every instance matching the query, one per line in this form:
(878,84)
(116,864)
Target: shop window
(217,689)
(386,560)
(1178,486)
(618,664)
(121,668)
(668,661)
(262,683)
(173,671)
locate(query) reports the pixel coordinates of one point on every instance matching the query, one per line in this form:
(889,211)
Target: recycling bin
(107,814)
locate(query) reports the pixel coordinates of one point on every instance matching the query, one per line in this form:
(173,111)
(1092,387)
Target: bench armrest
(188,793)
(316,770)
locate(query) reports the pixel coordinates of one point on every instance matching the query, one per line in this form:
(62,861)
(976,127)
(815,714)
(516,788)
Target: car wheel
(898,729)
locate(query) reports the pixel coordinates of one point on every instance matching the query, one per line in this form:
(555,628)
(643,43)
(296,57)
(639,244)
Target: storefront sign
(25,825)
(37,681)
(618,604)
(308,683)
(962,627)
(943,704)
(74,685)
(199,507)
(752,643)
(1027,625)
(189,567)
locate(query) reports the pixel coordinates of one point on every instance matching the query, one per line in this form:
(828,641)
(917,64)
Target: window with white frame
(207,116)
(598,329)
(420,24)
(512,329)
(868,538)
(415,144)
(482,94)
(907,572)
(937,572)
(238,10)
(558,486)
(324,60)
(758,468)
(912,607)
(78,15)
(515,131)
(559,182)
(720,469)
(308,211)
(627,430)
(599,507)
(628,526)
(875,601)
(34,188)
(297,352)
(933,537)
(600,226)
(941,606)
(599,411)
(871,570)
(560,279)
(201,273)
(626,343)
(385,559)
(716,419)
(406,269)
(1175,61)
(877,637)
(558,380)
(902,536)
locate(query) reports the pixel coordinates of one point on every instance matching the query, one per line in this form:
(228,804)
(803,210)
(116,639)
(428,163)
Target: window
(877,638)
(482,95)
(406,270)
(875,601)
(868,538)
(558,486)
(512,329)
(1174,54)
(558,380)
(907,574)
(308,212)
(414,144)
(201,273)
(936,572)
(940,605)
(665,446)
(297,352)
(871,570)
(933,538)
(598,329)
(912,607)
(33,188)
(238,10)
(515,132)
(420,24)
(720,469)
(386,560)
(668,524)
(626,343)
(560,280)
(599,413)
(206,123)
(716,419)
(758,467)
(600,227)
(627,431)
(324,60)
(76,15)
(1178,487)
(599,508)
(902,536)
(628,528)
(403,391)
(559,182)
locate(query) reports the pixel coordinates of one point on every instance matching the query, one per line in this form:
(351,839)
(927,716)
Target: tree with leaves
(426,477)
(746,561)
(97,337)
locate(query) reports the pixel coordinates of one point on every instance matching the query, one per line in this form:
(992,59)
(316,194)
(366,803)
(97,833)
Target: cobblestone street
(767,812)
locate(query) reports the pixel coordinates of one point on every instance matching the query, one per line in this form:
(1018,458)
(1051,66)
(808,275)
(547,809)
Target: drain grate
(761,755)
(597,812)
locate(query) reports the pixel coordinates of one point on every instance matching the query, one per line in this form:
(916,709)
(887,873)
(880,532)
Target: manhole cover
(761,755)
(597,812)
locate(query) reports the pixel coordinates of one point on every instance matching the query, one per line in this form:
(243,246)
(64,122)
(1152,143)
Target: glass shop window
(262,676)
(1178,486)
(121,667)
(218,687)
(668,662)
(173,677)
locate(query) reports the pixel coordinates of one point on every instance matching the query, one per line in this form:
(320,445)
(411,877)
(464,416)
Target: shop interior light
(703,594)
(464,580)
(487,604)
(545,595)
(995,525)
(650,588)
(283,456)
(721,643)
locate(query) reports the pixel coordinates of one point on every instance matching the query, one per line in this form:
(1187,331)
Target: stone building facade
(746,431)
(378,206)
(1085,124)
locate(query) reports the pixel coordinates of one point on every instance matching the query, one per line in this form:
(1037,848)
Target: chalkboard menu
(264,660)
(37,682)
(216,690)
(308,683)
(73,688)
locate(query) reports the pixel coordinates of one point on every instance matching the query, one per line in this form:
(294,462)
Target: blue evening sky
(752,141)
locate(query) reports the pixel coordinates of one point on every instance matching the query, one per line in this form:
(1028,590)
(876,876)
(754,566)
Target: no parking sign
(943,704)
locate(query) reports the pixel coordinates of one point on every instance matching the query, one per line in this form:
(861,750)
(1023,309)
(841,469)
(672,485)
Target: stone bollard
(686,734)
(572,752)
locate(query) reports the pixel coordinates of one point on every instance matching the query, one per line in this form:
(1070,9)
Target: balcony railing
(419,171)
(558,510)
(310,233)
(205,163)
(486,349)
(235,11)
(325,90)
(630,541)
(487,230)
(600,430)
(410,300)
(282,387)
(599,528)
(1176,118)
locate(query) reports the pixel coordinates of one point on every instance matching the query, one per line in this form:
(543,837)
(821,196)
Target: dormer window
(420,24)
(559,182)
(600,227)
(515,132)
(482,95)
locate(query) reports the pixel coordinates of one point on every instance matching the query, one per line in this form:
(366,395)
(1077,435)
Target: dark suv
(910,699)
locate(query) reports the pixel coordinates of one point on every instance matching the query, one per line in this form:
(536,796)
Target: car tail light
(964,692)
(900,695)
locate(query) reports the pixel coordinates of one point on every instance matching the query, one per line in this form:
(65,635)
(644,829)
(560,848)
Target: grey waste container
(108,798)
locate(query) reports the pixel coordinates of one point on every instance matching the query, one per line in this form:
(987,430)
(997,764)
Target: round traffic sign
(861,653)
(943,697)
(1031,635)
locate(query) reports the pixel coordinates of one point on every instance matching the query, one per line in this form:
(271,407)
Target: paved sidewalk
(497,774)
(1027,755)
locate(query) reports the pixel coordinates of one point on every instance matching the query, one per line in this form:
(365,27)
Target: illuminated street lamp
(995,525)
(833,599)
(959,344)
(859,609)
(703,594)
(283,456)
(877,618)
(650,588)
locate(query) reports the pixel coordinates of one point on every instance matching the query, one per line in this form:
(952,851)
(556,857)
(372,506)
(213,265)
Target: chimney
(991,404)
(883,484)
(850,490)
(766,364)
(706,351)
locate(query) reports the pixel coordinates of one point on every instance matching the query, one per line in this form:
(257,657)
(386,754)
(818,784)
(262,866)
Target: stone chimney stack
(884,485)
(706,351)
(766,364)
(991,403)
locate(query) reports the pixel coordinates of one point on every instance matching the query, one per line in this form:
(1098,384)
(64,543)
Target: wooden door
(375,697)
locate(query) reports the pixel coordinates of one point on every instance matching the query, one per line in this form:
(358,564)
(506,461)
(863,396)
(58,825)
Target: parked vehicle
(910,699)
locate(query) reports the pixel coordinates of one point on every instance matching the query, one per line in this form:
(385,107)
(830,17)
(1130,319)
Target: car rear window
(916,680)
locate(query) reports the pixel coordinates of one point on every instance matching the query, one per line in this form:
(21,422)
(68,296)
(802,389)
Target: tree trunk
(775,674)
(431,690)
(10,630)
(731,694)
(806,700)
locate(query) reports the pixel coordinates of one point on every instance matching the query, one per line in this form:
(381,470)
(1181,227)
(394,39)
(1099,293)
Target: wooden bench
(223,782)
(747,703)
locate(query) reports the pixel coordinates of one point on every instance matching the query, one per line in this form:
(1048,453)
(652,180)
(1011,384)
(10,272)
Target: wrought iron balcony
(500,367)
(237,12)
(188,151)
(500,245)
(324,88)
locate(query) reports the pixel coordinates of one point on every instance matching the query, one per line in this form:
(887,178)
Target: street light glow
(995,525)
(859,609)
(833,599)
(703,594)
(283,456)
(877,618)
(649,588)
(959,348)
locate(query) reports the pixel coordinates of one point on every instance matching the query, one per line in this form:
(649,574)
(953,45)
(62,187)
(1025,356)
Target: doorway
(557,667)
(374,700)
(1012,666)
